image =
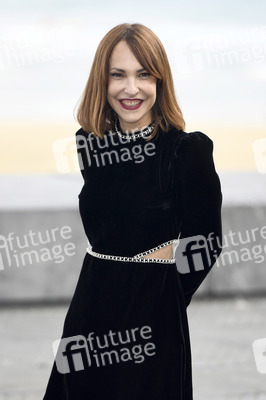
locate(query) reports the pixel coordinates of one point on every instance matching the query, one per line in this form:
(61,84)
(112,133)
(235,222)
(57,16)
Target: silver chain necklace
(144,133)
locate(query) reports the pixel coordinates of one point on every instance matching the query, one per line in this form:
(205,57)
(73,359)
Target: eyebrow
(122,70)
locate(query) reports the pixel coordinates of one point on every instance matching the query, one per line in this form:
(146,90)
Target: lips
(129,104)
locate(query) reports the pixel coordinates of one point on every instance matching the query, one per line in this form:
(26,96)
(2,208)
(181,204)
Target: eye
(145,75)
(116,75)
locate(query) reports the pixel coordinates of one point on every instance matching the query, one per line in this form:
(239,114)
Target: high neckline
(135,133)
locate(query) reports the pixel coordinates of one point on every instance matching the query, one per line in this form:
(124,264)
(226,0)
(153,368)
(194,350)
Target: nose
(131,87)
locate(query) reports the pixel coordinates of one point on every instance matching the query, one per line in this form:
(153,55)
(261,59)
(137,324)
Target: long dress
(125,335)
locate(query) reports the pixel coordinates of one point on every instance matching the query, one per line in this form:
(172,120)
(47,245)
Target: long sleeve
(198,200)
(83,153)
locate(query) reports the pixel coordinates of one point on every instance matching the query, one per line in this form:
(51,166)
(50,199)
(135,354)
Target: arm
(198,198)
(83,152)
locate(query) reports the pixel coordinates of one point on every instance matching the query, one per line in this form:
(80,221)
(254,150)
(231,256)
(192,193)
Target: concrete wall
(37,209)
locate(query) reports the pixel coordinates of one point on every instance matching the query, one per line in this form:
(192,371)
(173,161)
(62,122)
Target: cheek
(111,95)
(152,92)
(152,89)
(109,89)
(112,88)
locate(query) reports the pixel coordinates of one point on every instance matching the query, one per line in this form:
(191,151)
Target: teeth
(131,102)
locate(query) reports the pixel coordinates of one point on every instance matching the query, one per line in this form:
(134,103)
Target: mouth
(131,104)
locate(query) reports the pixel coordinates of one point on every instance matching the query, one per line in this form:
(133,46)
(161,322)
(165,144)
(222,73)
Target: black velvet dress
(126,334)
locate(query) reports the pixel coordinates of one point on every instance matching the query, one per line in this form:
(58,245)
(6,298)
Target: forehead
(122,56)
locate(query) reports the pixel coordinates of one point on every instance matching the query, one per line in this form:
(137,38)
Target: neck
(145,132)
(130,129)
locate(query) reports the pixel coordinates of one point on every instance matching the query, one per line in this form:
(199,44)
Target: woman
(150,206)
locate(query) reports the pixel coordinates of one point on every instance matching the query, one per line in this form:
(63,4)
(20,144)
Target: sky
(217,53)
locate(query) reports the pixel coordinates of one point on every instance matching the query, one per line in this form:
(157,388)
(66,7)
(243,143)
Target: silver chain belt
(138,257)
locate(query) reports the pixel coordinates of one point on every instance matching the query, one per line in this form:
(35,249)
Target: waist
(140,257)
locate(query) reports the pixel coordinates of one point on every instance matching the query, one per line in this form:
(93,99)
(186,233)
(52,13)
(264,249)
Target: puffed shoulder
(193,143)
(81,132)
(193,161)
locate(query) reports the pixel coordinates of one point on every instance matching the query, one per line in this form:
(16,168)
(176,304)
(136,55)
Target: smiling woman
(151,198)
(128,78)
(130,64)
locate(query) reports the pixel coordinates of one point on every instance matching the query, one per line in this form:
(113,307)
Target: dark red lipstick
(131,104)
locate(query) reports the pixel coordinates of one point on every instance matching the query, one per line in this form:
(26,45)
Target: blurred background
(217,52)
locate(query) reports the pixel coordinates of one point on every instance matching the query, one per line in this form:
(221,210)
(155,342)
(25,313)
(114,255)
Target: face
(131,89)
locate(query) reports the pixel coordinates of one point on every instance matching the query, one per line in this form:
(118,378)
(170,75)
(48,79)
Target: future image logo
(72,154)
(259,150)
(77,353)
(72,354)
(192,254)
(34,247)
(65,154)
(259,350)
